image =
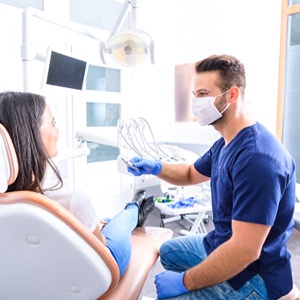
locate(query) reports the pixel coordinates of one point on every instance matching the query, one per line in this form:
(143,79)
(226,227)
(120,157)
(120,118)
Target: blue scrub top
(253,180)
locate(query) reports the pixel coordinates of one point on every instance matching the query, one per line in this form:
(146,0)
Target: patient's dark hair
(231,71)
(21,115)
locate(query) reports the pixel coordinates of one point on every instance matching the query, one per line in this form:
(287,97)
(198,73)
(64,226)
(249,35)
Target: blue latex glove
(145,166)
(169,284)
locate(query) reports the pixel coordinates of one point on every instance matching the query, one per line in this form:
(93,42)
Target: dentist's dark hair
(231,71)
(21,115)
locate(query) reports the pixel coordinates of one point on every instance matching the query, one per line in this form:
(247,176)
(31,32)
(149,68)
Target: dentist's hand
(145,166)
(169,284)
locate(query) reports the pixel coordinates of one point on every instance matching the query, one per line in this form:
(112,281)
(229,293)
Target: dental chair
(46,253)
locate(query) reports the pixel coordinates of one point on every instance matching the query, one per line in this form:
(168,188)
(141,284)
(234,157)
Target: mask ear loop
(228,104)
(225,108)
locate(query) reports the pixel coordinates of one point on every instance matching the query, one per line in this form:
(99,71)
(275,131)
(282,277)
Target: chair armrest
(145,246)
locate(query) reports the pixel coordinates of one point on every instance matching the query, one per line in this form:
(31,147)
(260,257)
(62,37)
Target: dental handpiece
(129,164)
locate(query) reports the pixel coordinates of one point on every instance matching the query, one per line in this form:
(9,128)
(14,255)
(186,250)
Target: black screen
(66,71)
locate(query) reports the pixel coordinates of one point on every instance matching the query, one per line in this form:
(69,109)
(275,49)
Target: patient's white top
(78,203)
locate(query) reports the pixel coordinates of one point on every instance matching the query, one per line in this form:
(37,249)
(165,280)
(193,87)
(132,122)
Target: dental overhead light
(130,47)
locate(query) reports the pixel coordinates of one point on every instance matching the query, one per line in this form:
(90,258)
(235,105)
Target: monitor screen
(65,71)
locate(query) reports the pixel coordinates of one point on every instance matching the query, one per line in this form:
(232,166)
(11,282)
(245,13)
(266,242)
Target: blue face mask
(205,110)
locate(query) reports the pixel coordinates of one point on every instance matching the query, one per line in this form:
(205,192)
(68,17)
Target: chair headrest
(9,167)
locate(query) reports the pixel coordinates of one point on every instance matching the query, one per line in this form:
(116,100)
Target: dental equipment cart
(195,215)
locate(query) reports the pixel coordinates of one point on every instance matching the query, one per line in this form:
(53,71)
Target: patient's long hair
(21,115)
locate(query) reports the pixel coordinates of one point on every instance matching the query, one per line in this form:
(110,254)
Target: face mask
(205,111)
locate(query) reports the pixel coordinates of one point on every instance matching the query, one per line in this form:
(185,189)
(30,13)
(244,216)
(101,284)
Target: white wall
(186,31)
(11,38)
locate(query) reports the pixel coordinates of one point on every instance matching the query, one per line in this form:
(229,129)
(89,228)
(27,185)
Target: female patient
(31,126)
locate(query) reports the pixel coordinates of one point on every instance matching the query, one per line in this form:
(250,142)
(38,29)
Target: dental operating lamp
(129,47)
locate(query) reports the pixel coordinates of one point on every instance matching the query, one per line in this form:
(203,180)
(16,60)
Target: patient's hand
(101,223)
(98,232)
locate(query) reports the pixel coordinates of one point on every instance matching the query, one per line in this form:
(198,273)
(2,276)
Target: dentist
(253,194)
